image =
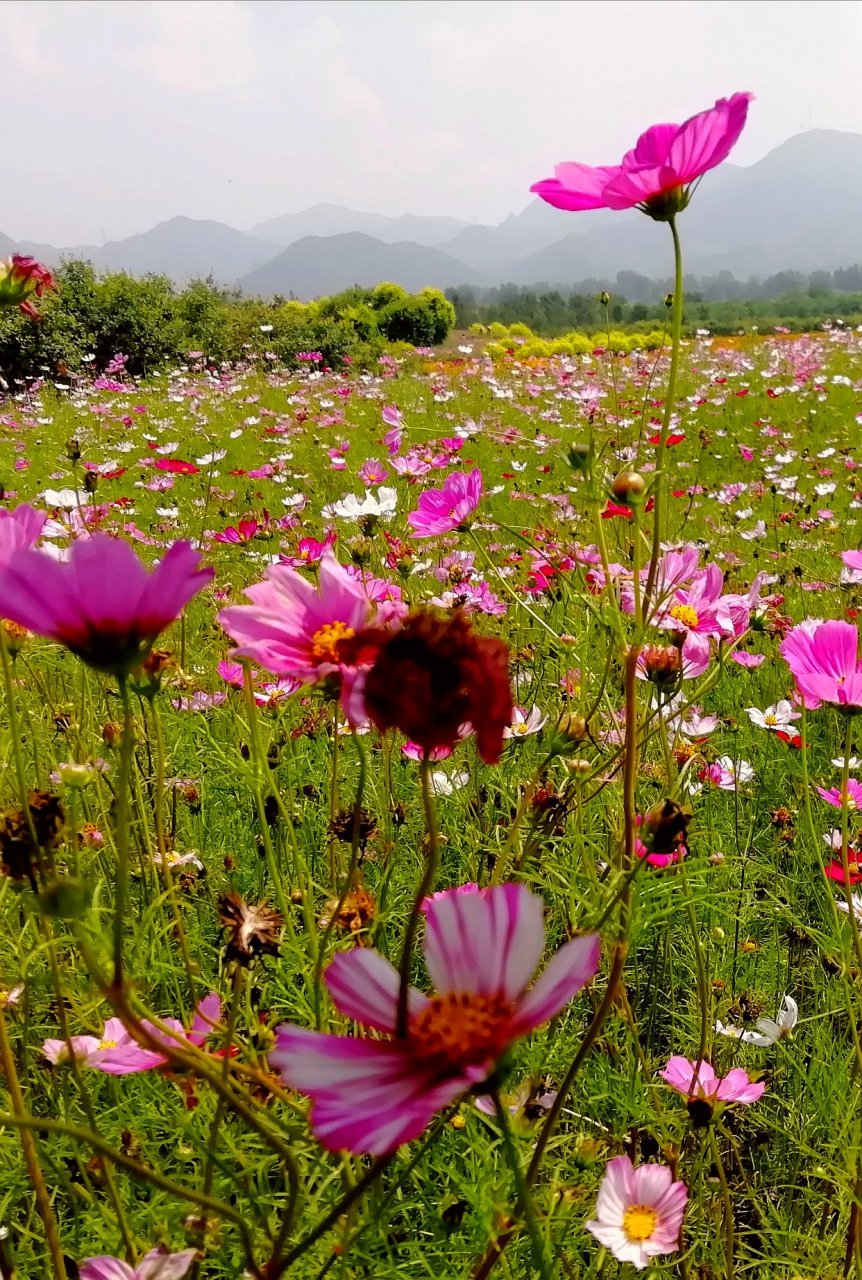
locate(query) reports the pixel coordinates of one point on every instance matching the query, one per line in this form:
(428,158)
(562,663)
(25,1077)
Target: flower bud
(604,297)
(22,279)
(77,775)
(629,487)
(572,726)
(580,455)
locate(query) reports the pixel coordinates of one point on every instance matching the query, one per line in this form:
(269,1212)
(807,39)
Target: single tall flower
(21,279)
(101,603)
(638,1211)
(294,628)
(158,1264)
(433,675)
(481,950)
(656,175)
(824,660)
(442,510)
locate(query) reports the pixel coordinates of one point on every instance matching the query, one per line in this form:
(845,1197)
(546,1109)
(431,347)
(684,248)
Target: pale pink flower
(444,510)
(524,724)
(158,1264)
(481,950)
(639,1211)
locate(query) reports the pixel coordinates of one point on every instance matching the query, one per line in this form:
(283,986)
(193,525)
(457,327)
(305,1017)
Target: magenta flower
(638,1211)
(446,509)
(19,530)
(824,660)
(698,1080)
(481,950)
(834,796)
(21,279)
(158,1264)
(101,603)
(293,628)
(656,176)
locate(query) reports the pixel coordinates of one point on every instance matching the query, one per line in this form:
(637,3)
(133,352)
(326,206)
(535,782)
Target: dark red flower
(434,675)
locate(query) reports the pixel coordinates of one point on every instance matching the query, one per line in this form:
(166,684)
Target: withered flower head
(18,853)
(434,675)
(342,826)
(665,826)
(254,930)
(357,911)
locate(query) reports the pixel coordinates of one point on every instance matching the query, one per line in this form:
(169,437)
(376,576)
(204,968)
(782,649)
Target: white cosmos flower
(522,724)
(768,1030)
(443,784)
(351,507)
(779,716)
(209,458)
(857,905)
(66,499)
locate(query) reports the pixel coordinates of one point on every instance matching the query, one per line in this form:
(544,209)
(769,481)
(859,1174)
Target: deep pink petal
(364,986)
(708,137)
(576,187)
(105,1268)
(652,147)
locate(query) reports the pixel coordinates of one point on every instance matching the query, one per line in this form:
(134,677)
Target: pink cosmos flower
(698,1080)
(824,660)
(101,602)
(834,796)
(19,530)
(294,628)
(481,950)
(117,1053)
(21,279)
(446,509)
(158,1264)
(656,176)
(638,1211)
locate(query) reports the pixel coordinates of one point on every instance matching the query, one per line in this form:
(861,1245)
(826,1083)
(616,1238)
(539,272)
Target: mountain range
(799,208)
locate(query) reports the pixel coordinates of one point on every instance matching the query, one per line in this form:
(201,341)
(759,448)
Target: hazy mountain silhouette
(800,207)
(318,265)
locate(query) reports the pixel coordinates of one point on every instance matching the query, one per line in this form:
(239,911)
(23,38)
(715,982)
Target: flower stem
(260,767)
(31,1156)
(525,1203)
(659,518)
(127,746)
(431,859)
(727,1204)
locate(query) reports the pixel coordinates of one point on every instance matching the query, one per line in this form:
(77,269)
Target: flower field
(270,833)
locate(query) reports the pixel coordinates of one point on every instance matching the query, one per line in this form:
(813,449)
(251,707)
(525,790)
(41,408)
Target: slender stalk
(524,1199)
(727,1205)
(31,1156)
(167,874)
(431,859)
(277,1266)
(659,518)
(122,831)
(260,766)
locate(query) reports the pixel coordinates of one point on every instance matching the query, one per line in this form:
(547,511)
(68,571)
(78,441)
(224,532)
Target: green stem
(122,831)
(670,400)
(261,767)
(727,1204)
(161,843)
(524,1199)
(431,859)
(31,1156)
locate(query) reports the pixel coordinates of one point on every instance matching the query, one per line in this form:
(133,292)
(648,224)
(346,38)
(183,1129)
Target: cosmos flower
(699,1080)
(101,603)
(523,725)
(117,1053)
(656,176)
(21,279)
(837,799)
(158,1264)
(638,1211)
(444,510)
(481,950)
(768,1031)
(294,628)
(350,507)
(824,660)
(19,530)
(779,716)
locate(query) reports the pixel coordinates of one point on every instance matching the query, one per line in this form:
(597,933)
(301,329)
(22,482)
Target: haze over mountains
(800,208)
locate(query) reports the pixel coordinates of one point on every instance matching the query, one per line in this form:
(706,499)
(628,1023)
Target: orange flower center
(460,1029)
(685,614)
(639,1222)
(325,641)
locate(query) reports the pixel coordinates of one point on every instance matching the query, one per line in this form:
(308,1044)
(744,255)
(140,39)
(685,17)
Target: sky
(117,116)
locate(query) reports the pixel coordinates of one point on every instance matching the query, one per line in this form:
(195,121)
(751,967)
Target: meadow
(686,819)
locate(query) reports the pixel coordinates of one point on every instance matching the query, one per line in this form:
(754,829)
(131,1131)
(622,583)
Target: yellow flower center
(770,720)
(14,631)
(325,641)
(849,800)
(107,1044)
(639,1222)
(460,1029)
(685,614)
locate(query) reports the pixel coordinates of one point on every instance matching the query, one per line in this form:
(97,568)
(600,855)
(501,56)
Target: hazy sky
(118,115)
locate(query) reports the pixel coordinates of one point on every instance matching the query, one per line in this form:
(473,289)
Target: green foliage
(94,316)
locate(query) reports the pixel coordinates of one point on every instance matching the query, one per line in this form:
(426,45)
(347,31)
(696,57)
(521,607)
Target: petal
(365,986)
(575,187)
(708,138)
(105,1268)
(487,943)
(570,969)
(616,1192)
(652,147)
(159,1265)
